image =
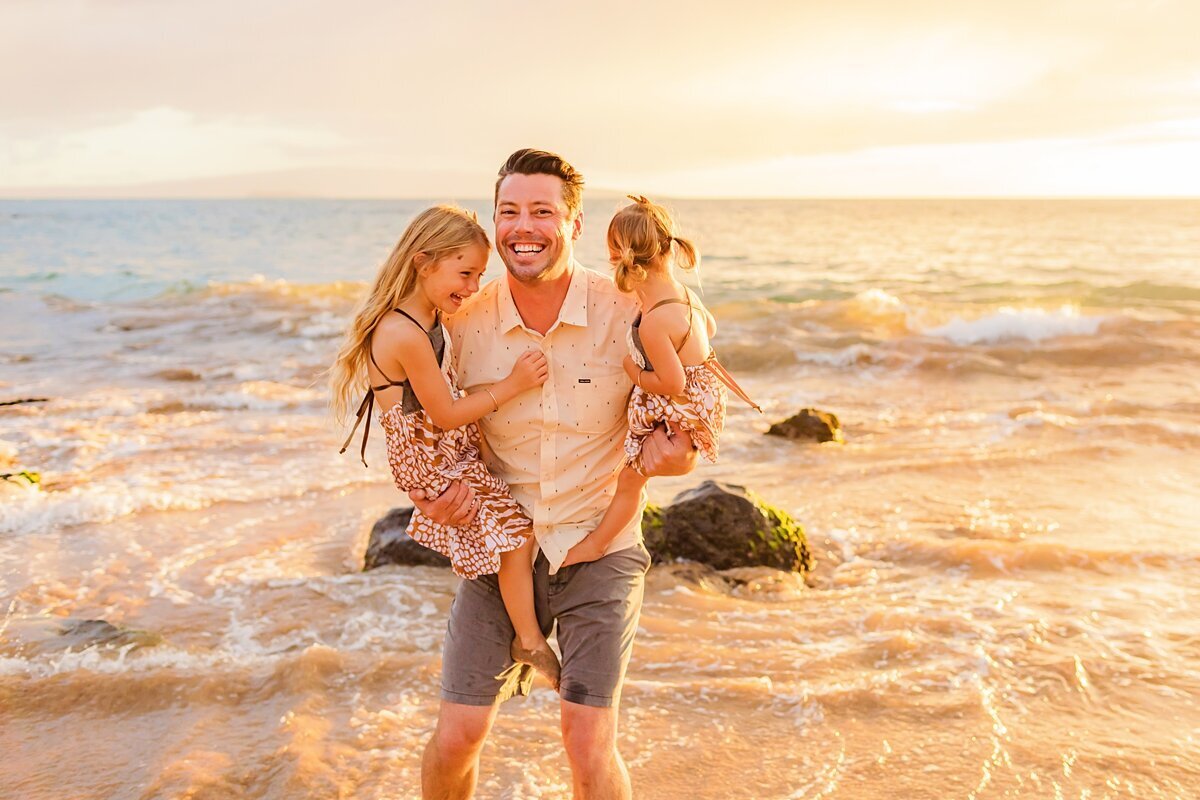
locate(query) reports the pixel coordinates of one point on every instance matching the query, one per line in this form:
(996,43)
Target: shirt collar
(574,310)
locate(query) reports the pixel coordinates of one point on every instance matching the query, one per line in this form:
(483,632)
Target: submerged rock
(811,424)
(665,576)
(391,544)
(80,634)
(183,375)
(725,526)
(38,634)
(748,582)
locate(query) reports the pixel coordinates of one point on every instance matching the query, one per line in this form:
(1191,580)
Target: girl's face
(451,280)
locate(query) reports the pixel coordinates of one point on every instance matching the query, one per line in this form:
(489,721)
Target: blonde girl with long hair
(397,349)
(677,378)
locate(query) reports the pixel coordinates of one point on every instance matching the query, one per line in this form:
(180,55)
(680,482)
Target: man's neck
(539,302)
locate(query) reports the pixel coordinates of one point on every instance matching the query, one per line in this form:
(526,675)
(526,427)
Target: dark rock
(24,400)
(185,375)
(725,526)
(169,407)
(391,544)
(819,426)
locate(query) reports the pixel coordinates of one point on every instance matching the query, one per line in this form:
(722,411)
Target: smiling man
(559,448)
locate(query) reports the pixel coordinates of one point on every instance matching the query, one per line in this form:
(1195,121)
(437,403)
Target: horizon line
(605,193)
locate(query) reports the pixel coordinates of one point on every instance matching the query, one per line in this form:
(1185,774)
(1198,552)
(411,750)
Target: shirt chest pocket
(599,396)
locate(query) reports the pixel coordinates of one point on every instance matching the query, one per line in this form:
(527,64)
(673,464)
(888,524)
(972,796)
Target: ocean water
(1008,542)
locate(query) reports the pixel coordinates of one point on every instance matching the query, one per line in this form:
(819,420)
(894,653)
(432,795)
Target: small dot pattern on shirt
(559,446)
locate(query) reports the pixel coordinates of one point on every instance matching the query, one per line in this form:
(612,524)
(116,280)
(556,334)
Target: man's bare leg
(590,739)
(450,765)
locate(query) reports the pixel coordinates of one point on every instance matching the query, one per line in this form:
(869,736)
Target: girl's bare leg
(622,509)
(516,588)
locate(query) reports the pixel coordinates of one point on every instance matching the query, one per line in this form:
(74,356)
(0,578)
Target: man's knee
(589,735)
(461,731)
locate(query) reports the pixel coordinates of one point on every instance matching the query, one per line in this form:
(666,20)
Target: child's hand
(631,368)
(587,550)
(532,369)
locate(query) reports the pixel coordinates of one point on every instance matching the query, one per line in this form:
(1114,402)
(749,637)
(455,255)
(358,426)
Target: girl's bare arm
(667,377)
(409,347)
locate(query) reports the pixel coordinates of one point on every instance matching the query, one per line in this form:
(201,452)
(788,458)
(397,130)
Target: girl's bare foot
(541,658)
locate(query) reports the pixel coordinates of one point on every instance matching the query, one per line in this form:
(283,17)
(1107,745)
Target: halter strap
(436,319)
(688,301)
(727,379)
(364,410)
(390,382)
(368,401)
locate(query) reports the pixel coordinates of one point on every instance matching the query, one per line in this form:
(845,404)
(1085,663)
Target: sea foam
(36,510)
(1020,324)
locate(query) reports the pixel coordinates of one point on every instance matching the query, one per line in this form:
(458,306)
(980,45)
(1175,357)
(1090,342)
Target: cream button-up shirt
(558,446)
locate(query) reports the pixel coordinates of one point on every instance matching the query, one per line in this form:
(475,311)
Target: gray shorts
(596,605)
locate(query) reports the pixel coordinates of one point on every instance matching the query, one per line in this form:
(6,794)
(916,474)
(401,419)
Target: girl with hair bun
(677,378)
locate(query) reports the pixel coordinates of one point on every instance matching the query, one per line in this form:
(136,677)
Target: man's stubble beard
(531,274)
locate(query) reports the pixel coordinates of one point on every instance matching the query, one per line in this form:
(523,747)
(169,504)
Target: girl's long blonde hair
(436,232)
(641,233)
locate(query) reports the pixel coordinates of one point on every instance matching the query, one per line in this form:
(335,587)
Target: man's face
(535,233)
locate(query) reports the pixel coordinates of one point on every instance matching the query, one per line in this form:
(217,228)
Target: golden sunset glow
(765,99)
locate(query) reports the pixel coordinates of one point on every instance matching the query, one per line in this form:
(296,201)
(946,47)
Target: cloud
(157,144)
(136,91)
(1096,167)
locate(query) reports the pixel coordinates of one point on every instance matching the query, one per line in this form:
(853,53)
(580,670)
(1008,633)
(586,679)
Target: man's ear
(577,226)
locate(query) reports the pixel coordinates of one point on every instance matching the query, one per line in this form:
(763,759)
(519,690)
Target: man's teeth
(529,248)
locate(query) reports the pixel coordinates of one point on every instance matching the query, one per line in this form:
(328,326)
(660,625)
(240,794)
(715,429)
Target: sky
(757,98)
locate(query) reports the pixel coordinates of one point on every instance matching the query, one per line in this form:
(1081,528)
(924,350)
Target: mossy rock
(810,425)
(22,478)
(391,544)
(725,526)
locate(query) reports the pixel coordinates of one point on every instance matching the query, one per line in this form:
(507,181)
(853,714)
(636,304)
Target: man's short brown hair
(528,161)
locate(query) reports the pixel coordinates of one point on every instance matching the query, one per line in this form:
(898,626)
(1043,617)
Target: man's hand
(668,451)
(458,505)
(587,550)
